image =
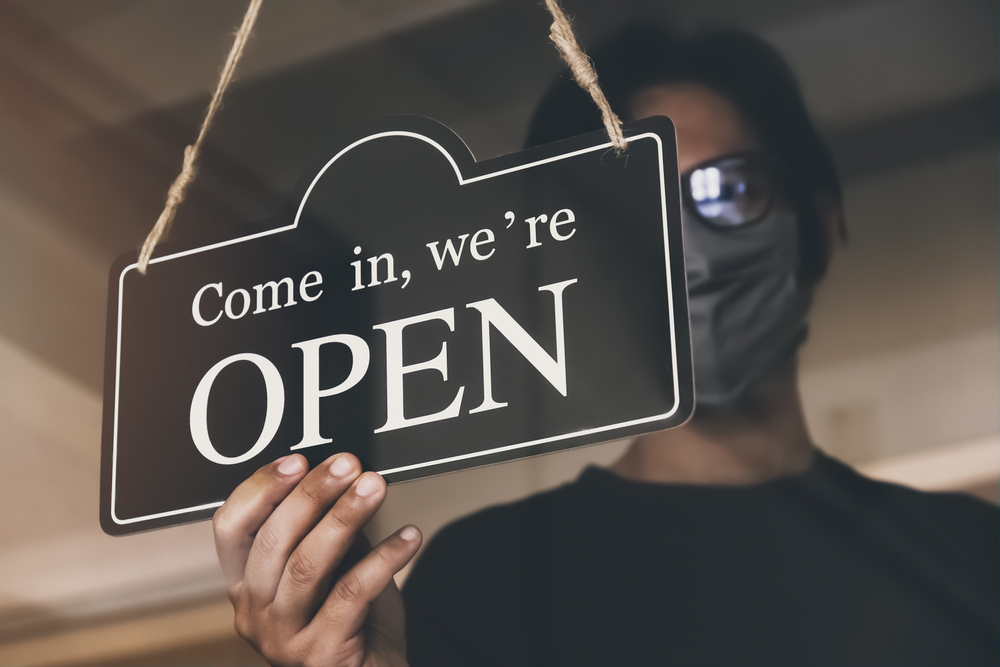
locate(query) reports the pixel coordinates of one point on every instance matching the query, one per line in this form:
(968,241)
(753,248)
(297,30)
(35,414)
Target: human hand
(288,541)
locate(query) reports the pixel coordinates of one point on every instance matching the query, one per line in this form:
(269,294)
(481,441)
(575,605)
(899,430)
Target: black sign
(424,311)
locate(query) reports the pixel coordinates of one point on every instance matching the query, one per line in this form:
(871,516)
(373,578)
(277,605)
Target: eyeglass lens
(731,192)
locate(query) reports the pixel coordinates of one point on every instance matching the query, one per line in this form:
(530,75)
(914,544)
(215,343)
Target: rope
(179,188)
(583,71)
(561,34)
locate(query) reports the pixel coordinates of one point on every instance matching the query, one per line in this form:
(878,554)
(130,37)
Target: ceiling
(106,94)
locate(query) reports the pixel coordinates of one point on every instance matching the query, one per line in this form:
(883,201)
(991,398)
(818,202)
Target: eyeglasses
(732,190)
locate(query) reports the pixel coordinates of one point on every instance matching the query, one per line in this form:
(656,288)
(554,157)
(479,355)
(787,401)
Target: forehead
(708,124)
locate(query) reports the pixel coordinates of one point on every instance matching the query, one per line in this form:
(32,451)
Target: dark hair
(743,68)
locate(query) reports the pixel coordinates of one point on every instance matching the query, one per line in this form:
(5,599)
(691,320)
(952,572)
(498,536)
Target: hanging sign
(417,308)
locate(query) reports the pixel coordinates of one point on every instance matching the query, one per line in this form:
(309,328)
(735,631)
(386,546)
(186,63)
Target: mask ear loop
(561,34)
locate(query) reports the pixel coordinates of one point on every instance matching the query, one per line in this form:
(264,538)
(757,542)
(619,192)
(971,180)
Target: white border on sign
(461,181)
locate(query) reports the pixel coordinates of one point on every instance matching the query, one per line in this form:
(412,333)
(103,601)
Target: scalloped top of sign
(417,308)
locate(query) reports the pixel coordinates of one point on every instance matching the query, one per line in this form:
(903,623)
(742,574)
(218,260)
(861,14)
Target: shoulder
(956,527)
(897,498)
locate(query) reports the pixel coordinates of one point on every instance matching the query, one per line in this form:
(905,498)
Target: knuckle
(220,514)
(350,589)
(304,649)
(235,592)
(381,555)
(313,491)
(243,624)
(311,657)
(277,649)
(302,571)
(223,524)
(338,523)
(273,652)
(318,659)
(385,554)
(267,542)
(265,638)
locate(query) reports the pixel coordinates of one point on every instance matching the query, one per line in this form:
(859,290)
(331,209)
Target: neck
(762,438)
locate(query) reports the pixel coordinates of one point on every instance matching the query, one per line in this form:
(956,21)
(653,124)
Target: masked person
(731,540)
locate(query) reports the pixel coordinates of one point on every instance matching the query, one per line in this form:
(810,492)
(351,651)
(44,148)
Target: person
(730,540)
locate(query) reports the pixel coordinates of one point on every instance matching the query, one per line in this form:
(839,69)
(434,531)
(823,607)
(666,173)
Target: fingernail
(409,533)
(290,466)
(366,487)
(341,467)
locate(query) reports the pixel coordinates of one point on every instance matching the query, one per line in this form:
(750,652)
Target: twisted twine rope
(561,34)
(177,191)
(583,71)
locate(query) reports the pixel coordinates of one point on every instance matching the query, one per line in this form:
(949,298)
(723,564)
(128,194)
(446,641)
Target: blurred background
(98,98)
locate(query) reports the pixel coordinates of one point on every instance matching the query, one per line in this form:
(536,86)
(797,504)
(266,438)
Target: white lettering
(474,245)
(395,370)
(274,390)
(391,275)
(311,393)
(449,249)
(311,279)
(553,370)
(357,271)
(196,305)
(229,304)
(532,231)
(556,222)
(274,287)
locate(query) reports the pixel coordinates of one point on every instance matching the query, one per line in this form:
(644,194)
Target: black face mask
(748,311)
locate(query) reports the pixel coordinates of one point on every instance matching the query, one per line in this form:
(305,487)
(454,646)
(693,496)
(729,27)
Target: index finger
(246,510)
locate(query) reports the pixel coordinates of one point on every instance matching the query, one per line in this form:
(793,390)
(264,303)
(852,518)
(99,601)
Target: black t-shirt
(825,567)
